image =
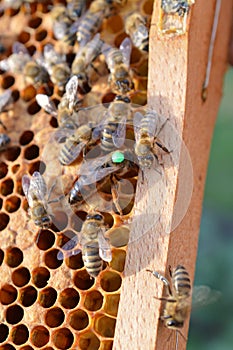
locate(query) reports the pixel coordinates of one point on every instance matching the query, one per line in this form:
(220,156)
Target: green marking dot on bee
(118,157)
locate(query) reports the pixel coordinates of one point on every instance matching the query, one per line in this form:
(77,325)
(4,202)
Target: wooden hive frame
(177,68)
(176,75)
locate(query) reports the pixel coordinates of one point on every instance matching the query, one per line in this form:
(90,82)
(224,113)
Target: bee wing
(118,136)
(126,48)
(106,49)
(204,295)
(68,246)
(38,185)
(61,134)
(71,91)
(19,48)
(4,64)
(137,124)
(47,104)
(5,99)
(104,247)
(74,151)
(89,165)
(93,48)
(26,185)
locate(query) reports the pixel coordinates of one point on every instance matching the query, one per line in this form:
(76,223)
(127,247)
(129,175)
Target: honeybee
(56,65)
(35,190)
(82,62)
(35,74)
(147,144)
(66,111)
(62,24)
(95,246)
(74,144)
(92,20)
(178,301)
(135,27)
(113,125)
(113,166)
(4,141)
(118,62)
(176,6)
(16,62)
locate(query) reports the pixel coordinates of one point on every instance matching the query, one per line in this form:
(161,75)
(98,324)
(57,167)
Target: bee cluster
(72,74)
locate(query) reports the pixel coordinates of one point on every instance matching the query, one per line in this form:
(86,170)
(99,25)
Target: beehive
(46,302)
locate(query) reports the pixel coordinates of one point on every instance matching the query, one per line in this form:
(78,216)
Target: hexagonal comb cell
(78,319)
(80,311)
(19,334)
(8,294)
(20,276)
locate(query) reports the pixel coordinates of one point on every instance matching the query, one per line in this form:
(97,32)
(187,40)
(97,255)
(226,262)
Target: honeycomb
(47,302)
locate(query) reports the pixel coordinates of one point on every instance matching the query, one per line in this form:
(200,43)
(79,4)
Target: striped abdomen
(107,144)
(89,25)
(91,259)
(68,152)
(181,281)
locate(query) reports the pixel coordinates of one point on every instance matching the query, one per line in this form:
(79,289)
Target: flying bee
(118,62)
(147,144)
(178,301)
(35,190)
(135,27)
(16,62)
(66,111)
(114,122)
(4,141)
(111,167)
(83,62)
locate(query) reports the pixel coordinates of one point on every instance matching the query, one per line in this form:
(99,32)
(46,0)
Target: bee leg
(95,69)
(162,147)
(3,125)
(170,270)
(162,126)
(182,335)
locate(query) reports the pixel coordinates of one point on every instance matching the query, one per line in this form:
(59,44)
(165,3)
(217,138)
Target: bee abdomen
(181,281)
(67,153)
(106,138)
(92,260)
(89,26)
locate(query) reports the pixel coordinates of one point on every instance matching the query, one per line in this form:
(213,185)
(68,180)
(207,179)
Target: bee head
(125,99)
(174,324)
(44,221)
(97,217)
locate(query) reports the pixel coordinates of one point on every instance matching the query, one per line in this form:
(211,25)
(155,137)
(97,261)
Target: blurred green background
(211,326)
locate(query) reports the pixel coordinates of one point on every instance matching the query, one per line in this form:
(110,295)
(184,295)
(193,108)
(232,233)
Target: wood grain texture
(176,74)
